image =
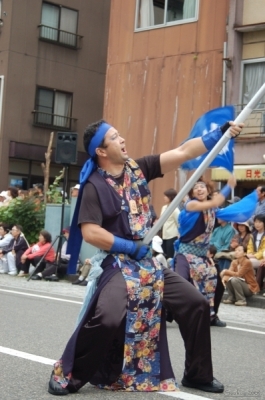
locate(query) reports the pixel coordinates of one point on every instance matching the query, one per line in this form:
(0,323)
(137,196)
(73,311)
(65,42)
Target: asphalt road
(37,319)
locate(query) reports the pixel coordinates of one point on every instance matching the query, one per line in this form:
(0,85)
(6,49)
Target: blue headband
(98,138)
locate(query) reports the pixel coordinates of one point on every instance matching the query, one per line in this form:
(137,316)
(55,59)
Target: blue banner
(209,122)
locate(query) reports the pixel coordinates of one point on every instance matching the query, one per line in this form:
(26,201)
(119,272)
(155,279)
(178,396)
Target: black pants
(34,261)
(188,307)
(168,247)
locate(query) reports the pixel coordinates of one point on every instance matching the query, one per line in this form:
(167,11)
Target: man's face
(261,195)
(114,147)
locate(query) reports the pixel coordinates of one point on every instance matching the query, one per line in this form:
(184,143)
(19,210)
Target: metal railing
(255,123)
(47,120)
(60,37)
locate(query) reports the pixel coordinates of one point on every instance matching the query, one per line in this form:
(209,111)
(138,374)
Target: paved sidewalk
(257,300)
(65,287)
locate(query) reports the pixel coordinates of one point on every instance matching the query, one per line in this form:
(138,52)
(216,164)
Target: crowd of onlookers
(237,248)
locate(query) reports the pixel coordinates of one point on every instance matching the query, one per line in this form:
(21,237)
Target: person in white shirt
(6,238)
(170,228)
(158,251)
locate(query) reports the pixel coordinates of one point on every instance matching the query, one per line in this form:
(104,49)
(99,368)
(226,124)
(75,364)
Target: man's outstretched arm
(193,148)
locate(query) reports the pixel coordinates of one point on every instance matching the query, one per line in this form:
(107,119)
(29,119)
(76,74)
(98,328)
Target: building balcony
(53,121)
(59,37)
(255,123)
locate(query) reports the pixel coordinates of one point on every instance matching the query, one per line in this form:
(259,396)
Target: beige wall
(160,81)
(254,12)
(253,44)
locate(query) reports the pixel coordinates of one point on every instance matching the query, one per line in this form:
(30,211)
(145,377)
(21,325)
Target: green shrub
(28,213)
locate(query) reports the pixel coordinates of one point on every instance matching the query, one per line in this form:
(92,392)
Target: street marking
(41,297)
(245,330)
(48,361)
(27,356)
(80,302)
(184,396)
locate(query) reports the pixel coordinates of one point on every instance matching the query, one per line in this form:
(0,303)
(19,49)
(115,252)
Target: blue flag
(206,123)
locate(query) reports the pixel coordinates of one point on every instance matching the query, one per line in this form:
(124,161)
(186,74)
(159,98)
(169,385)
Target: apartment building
(52,77)
(169,62)
(245,74)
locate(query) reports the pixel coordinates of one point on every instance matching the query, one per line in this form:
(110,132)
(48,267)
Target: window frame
(58,41)
(243,63)
(53,115)
(165,24)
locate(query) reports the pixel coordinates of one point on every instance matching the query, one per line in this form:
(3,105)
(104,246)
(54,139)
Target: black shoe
(52,278)
(36,278)
(83,283)
(217,322)
(214,387)
(55,388)
(77,282)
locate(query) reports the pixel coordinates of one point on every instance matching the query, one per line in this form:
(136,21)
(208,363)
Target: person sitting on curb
(256,244)
(81,281)
(239,279)
(38,254)
(14,250)
(6,238)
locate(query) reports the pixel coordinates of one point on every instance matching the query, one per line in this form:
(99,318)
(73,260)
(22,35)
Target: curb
(257,300)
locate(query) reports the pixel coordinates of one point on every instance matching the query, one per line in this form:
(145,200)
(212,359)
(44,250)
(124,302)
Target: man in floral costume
(120,341)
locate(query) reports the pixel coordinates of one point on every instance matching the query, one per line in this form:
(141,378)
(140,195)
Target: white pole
(205,163)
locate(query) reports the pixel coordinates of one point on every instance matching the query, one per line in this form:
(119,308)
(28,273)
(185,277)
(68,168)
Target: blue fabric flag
(206,123)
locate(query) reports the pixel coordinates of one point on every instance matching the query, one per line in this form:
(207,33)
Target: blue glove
(140,251)
(137,250)
(211,138)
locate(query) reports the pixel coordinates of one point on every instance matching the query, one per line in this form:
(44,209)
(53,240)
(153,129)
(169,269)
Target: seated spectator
(242,237)
(260,208)
(55,271)
(260,277)
(158,252)
(256,244)
(38,254)
(12,193)
(239,279)
(6,238)
(84,271)
(4,199)
(221,239)
(14,250)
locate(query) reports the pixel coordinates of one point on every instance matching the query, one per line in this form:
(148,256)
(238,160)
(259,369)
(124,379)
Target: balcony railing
(255,123)
(60,37)
(59,122)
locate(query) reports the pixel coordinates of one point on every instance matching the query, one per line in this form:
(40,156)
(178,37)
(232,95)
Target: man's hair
(19,227)
(262,189)
(170,193)
(212,249)
(90,133)
(13,191)
(260,217)
(5,226)
(47,236)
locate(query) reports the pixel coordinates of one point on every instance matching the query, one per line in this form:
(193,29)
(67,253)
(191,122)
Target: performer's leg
(182,267)
(191,311)
(96,335)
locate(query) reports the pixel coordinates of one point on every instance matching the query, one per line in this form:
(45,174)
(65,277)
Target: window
(156,13)
(59,24)
(53,108)
(252,78)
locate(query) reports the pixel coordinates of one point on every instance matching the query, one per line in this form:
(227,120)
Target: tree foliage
(28,212)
